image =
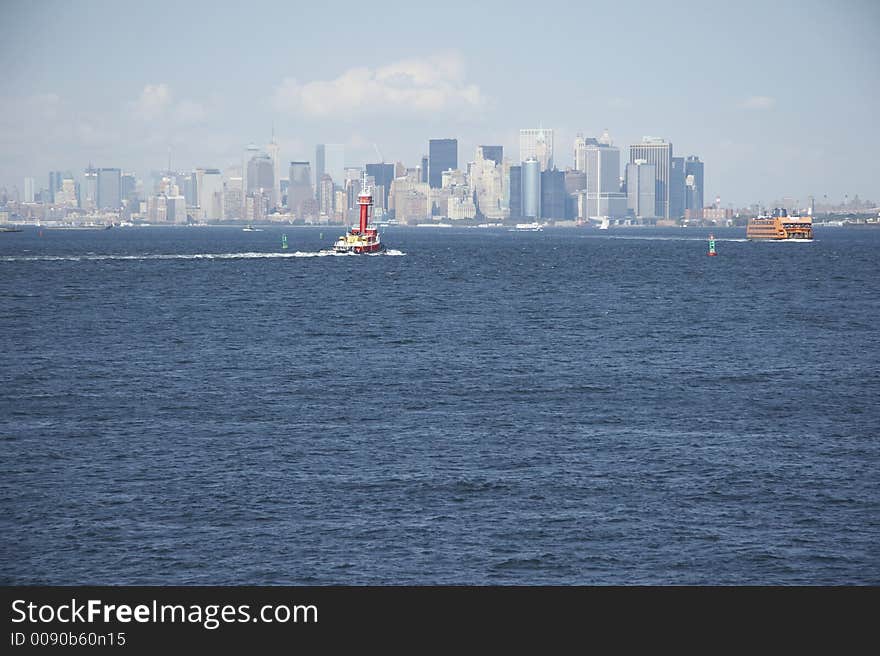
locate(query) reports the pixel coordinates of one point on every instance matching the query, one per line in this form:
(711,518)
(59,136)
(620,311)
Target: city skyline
(769,120)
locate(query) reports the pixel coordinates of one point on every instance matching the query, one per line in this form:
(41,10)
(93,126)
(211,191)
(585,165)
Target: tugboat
(363,239)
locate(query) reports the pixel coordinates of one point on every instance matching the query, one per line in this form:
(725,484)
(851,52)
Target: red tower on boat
(363,239)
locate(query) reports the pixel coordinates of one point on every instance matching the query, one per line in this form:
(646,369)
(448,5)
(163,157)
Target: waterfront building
(329,160)
(261,178)
(641,189)
(442,156)
(515,191)
(531,188)
(553,195)
(495,153)
(677,188)
(29,191)
(300,189)
(693,169)
(210,194)
(233,197)
(383,174)
(109,189)
(90,188)
(659,153)
(326,196)
(537,143)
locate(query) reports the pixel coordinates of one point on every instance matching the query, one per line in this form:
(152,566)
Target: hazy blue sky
(778,98)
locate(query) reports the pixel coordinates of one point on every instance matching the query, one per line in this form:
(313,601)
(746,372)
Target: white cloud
(758,103)
(152,103)
(412,86)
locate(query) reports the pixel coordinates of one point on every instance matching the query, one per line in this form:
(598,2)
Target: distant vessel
(363,239)
(8,229)
(780,227)
(605,223)
(250,228)
(534,226)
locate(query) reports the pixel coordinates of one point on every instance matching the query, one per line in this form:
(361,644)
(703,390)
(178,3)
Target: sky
(779,99)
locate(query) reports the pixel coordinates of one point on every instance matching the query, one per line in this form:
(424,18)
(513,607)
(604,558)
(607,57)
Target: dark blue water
(491,407)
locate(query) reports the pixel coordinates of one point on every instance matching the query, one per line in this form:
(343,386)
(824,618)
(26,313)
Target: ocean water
(196,406)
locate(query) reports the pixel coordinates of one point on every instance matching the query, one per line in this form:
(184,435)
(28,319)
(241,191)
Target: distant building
(693,169)
(442,156)
(89,200)
(211,195)
(128,189)
(326,195)
(641,189)
(677,188)
(659,153)
(486,179)
(515,192)
(553,194)
(273,150)
(531,188)
(329,160)
(233,195)
(300,190)
(600,162)
(425,165)
(383,174)
(29,190)
(537,143)
(495,153)
(109,189)
(261,178)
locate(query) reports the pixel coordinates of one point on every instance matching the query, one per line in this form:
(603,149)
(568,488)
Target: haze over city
(778,100)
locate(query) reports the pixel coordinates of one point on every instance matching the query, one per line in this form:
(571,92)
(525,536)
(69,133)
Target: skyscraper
(128,188)
(109,189)
(442,156)
(210,195)
(515,192)
(601,165)
(261,178)
(329,160)
(300,189)
(495,153)
(531,188)
(29,190)
(693,170)
(424,177)
(90,188)
(677,188)
(659,153)
(273,150)
(537,143)
(383,174)
(553,194)
(641,182)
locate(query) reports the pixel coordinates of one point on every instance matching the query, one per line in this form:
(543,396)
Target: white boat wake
(91,257)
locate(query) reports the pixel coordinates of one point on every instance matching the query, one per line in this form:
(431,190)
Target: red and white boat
(364,238)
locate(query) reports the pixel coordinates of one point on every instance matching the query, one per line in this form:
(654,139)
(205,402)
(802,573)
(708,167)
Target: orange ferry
(780,227)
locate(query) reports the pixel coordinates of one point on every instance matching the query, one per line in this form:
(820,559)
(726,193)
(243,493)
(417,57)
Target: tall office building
(109,189)
(641,183)
(261,177)
(128,189)
(553,194)
(55,179)
(300,189)
(383,174)
(249,152)
(210,194)
(531,188)
(29,190)
(600,162)
(495,153)
(90,188)
(515,192)
(424,177)
(326,195)
(273,150)
(487,184)
(330,160)
(677,188)
(442,156)
(693,170)
(659,153)
(537,143)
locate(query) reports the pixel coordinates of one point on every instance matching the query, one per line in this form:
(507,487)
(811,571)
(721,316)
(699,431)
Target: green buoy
(284,241)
